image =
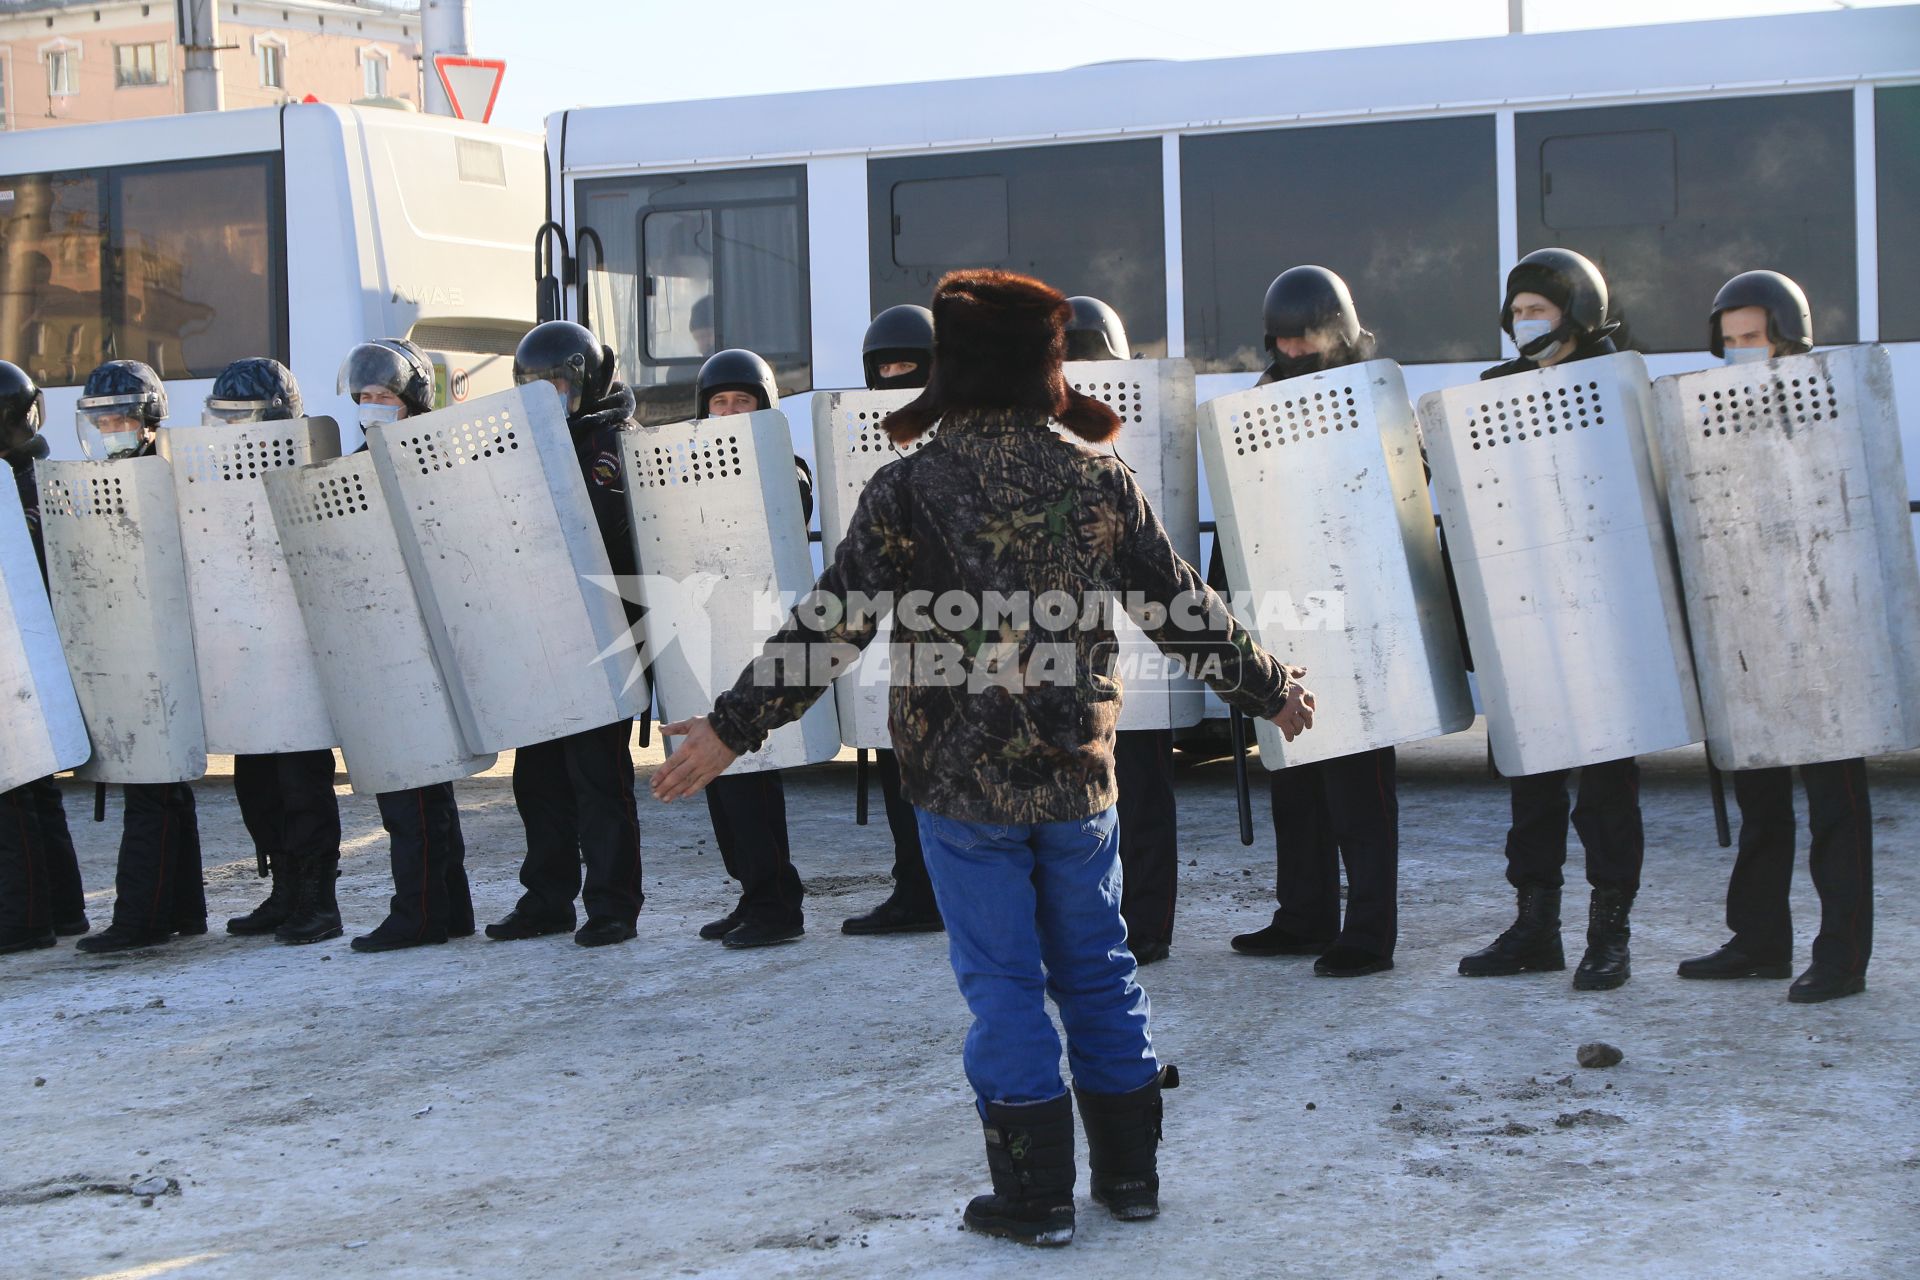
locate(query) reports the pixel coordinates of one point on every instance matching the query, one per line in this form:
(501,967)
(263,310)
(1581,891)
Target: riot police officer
(749,810)
(1556,312)
(286,798)
(388,380)
(40,893)
(575,794)
(1142,758)
(158,891)
(1331,810)
(896,354)
(1761,315)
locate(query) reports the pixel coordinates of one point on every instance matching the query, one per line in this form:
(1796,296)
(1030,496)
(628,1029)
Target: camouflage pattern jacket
(1006,719)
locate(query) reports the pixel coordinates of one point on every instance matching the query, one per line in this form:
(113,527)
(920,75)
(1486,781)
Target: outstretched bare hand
(698,760)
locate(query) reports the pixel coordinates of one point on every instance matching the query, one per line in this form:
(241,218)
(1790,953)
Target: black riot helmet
(23,408)
(254,390)
(565,350)
(735,369)
(1311,300)
(1570,282)
(1095,331)
(898,335)
(1789,318)
(119,408)
(396,364)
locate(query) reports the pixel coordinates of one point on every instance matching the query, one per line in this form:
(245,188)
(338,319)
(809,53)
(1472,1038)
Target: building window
(1406,212)
(698,262)
(1088,218)
(181,265)
(373,74)
(63,72)
(1672,199)
(138,64)
(273,65)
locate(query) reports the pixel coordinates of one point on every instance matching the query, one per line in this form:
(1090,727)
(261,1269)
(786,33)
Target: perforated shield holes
(470,440)
(688,462)
(1536,414)
(82,497)
(1295,420)
(1801,398)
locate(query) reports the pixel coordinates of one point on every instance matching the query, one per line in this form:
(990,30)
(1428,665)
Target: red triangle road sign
(472,84)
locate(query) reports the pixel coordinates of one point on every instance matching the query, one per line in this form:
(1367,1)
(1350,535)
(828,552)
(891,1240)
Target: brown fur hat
(998,340)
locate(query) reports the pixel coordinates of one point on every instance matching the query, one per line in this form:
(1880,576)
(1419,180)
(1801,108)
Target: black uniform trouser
(1607,816)
(288,805)
(431,897)
(1149,833)
(157,887)
(39,873)
(1330,812)
(749,813)
(911,887)
(575,797)
(1840,821)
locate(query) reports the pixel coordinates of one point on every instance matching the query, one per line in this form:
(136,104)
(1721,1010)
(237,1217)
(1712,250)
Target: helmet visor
(111,426)
(234,412)
(372,365)
(565,377)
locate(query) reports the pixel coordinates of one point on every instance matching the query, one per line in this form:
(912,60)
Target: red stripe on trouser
(160,881)
(26,855)
(1860,856)
(426,859)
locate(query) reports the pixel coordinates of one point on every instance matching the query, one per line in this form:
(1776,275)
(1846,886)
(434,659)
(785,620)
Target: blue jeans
(1031,911)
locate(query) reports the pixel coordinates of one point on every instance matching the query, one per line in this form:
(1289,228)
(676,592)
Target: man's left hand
(698,760)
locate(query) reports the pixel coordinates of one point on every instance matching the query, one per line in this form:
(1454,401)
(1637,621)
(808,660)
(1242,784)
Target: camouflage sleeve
(829,626)
(1170,601)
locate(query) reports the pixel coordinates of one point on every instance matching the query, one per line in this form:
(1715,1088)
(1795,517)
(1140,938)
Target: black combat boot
(896,915)
(122,937)
(272,913)
(316,915)
(1123,1138)
(21,938)
(1605,965)
(1531,942)
(1030,1154)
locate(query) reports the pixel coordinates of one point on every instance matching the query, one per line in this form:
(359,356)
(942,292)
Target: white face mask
(1526,332)
(118,442)
(377,415)
(1745,355)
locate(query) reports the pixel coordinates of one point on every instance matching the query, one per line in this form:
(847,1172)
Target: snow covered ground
(670,1108)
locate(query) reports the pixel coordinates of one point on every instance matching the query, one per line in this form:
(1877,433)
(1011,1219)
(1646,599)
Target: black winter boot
(1531,942)
(1123,1138)
(272,913)
(1605,965)
(316,915)
(1030,1154)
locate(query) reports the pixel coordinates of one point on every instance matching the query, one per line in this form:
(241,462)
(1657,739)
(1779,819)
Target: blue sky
(566,53)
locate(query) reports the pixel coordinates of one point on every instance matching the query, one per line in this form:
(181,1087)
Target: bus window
(1750,182)
(1086,218)
(179,265)
(1896,116)
(1404,211)
(53,251)
(695,263)
(202,279)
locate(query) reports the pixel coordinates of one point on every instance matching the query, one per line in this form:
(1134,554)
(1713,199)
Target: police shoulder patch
(606,470)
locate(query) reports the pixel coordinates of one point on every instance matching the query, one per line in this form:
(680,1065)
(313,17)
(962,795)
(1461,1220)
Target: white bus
(1675,156)
(294,232)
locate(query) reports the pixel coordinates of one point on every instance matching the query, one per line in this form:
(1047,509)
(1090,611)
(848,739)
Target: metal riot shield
(1327,536)
(41,731)
(119,586)
(507,563)
(848,447)
(1551,499)
(1789,501)
(387,698)
(259,690)
(1155,401)
(723,554)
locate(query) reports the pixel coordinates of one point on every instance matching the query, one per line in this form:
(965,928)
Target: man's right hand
(1296,715)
